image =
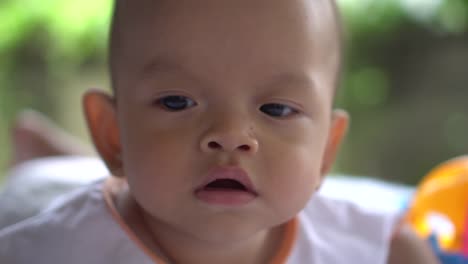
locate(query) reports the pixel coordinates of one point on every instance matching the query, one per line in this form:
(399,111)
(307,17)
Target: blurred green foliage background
(405,83)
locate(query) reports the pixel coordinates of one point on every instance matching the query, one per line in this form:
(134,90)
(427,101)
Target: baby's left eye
(278,110)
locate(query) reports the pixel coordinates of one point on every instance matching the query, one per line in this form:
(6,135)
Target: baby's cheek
(295,179)
(153,193)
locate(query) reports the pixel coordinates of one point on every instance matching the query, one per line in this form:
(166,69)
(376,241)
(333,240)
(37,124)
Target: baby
(219,131)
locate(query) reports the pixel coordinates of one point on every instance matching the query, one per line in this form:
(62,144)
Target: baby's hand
(408,248)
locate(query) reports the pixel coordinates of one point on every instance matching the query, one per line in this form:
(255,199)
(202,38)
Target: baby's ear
(338,129)
(101,117)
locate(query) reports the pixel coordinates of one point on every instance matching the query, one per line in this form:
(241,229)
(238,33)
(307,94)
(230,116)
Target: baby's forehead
(202,30)
(146,15)
(318,11)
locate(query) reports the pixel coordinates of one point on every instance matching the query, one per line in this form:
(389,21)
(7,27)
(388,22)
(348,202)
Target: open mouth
(225,185)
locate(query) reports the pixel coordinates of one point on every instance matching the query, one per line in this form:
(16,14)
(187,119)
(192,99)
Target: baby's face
(225,110)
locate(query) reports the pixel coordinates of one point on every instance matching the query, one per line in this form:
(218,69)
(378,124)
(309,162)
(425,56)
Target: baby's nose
(229,139)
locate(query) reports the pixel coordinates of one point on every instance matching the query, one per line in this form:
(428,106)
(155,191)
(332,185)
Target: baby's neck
(175,247)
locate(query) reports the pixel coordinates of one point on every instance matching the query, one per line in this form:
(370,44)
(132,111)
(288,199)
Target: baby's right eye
(175,103)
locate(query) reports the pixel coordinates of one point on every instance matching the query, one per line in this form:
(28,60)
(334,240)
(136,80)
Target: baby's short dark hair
(116,35)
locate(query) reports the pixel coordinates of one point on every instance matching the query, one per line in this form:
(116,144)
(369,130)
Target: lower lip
(225,197)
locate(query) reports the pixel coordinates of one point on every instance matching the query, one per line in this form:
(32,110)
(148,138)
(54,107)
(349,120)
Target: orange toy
(440,206)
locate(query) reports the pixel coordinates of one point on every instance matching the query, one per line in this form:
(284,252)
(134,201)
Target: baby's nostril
(245,147)
(214,145)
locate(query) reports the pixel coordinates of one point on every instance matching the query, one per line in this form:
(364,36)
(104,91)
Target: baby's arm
(408,248)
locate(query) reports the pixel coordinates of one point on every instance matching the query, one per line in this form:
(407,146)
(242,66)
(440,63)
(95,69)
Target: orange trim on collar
(287,245)
(281,257)
(108,188)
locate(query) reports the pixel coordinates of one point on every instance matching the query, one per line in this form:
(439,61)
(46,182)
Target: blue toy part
(445,257)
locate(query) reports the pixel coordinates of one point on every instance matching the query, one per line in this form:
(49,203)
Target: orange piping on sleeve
(398,226)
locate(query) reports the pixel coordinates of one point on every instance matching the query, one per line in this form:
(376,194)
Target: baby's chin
(217,227)
(233,231)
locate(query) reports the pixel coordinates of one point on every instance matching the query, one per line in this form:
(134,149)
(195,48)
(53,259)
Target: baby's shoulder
(348,215)
(53,232)
(330,225)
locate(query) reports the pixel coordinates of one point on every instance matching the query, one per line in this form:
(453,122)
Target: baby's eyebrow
(292,80)
(295,81)
(161,65)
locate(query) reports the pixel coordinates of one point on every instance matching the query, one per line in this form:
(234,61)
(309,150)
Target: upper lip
(229,173)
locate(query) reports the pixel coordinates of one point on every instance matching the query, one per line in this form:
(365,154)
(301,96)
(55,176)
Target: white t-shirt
(84,227)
